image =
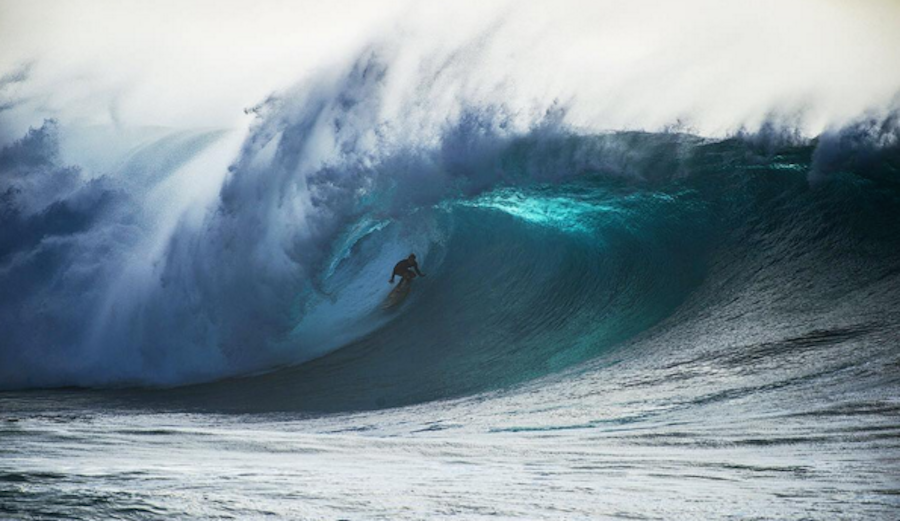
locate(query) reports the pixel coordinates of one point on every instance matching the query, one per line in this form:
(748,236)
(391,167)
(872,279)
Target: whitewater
(619,321)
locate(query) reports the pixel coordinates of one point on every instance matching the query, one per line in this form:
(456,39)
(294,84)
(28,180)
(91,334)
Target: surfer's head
(412,256)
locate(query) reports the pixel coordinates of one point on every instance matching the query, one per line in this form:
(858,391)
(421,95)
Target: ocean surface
(616,325)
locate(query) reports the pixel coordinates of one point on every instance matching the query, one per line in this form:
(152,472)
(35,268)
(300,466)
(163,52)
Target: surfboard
(398,294)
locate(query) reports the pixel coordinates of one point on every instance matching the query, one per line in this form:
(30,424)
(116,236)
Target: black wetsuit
(407,269)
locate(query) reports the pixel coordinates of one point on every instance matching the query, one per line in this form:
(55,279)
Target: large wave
(544,246)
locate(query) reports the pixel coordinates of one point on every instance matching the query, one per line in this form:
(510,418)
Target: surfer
(407,269)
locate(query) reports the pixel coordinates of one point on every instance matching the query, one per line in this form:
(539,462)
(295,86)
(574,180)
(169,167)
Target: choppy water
(805,431)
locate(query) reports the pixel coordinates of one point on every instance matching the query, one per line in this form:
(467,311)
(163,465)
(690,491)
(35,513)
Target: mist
(710,67)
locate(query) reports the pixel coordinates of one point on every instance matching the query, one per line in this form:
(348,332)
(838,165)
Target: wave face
(544,247)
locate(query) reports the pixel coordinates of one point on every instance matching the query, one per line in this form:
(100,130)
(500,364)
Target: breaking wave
(544,246)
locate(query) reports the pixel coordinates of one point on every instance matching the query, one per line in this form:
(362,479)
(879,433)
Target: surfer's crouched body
(407,269)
